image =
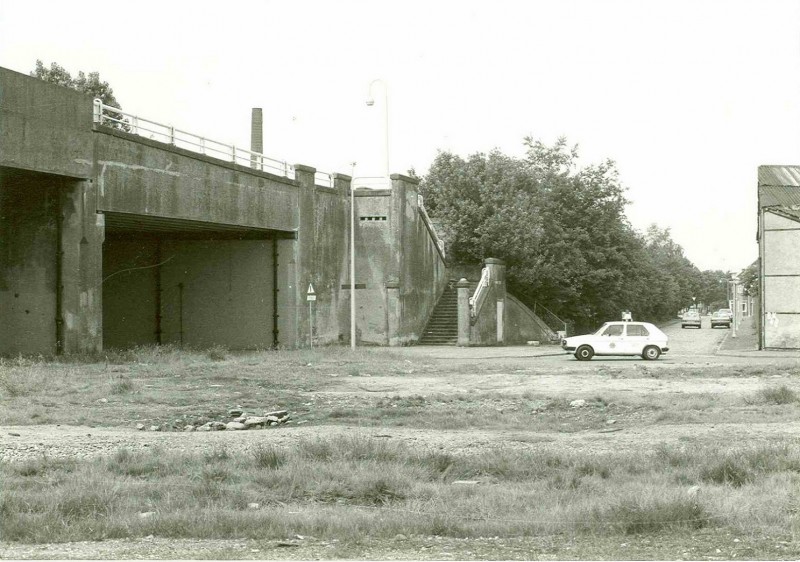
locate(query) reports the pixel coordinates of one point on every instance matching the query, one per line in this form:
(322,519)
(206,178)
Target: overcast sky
(688,97)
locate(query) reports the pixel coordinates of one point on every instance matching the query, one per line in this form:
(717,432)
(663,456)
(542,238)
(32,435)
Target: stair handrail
(551,320)
(476,300)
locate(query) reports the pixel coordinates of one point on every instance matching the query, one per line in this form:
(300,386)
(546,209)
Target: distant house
(779,252)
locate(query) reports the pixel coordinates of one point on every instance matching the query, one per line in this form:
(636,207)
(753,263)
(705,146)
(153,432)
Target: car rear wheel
(584,353)
(651,353)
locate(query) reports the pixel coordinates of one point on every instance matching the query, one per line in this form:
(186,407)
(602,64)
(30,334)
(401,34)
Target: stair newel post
(463,312)
(497,274)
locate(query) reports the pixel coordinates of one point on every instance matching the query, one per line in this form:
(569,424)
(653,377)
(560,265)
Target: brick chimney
(256,135)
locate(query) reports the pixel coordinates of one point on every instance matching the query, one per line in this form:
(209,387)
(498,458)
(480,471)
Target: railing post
(171,135)
(202,145)
(233,153)
(97,112)
(135,125)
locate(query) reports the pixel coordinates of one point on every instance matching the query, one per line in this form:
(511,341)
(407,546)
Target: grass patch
(778,395)
(347,487)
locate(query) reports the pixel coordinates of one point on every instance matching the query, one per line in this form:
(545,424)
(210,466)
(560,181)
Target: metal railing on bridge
(137,125)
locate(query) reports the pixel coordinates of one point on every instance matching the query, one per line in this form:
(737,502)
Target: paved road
(687,346)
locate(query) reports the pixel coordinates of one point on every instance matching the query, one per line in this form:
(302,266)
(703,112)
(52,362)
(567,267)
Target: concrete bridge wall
(111,239)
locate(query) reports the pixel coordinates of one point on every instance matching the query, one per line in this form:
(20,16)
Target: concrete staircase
(442,327)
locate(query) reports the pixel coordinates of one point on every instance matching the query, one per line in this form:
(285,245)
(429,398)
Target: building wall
(130,293)
(423,273)
(210,292)
(522,325)
(373,266)
(329,265)
(780,239)
(44,127)
(28,248)
(217,291)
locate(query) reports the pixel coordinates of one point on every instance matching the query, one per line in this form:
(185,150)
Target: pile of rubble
(239,422)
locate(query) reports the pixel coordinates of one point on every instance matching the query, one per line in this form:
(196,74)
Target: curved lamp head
(370,102)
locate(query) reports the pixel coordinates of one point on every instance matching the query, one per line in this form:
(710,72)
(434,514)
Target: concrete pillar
(393,313)
(403,216)
(80,264)
(342,183)
(303,253)
(397,219)
(463,312)
(497,275)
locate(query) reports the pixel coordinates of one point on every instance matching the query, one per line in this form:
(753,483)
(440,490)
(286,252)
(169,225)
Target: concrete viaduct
(111,239)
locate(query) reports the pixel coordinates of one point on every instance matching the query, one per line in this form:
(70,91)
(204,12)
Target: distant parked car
(691,318)
(720,318)
(619,338)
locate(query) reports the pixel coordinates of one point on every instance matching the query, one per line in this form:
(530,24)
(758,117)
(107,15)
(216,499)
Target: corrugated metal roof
(778,196)
(779,175)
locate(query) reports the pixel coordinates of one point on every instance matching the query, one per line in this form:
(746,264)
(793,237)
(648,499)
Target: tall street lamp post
(352,259)
(370,103)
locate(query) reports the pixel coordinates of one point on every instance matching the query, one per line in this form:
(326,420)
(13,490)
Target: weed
(727,470)
(217,353)
(121,385)
(635,516)
(268,457)
(778,395)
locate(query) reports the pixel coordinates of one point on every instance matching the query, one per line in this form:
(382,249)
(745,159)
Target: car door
(636,338)
(611,340)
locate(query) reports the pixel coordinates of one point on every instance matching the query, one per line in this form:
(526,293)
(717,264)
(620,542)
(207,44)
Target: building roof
(791,213)
(779,176)
(779,188)
(778,196)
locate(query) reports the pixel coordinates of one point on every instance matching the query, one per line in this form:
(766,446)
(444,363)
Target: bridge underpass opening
(188,283)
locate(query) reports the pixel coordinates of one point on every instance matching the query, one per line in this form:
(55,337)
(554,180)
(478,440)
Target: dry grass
(351,487)
(337,488)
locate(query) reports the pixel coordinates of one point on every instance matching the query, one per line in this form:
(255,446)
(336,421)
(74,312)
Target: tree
(749,279)
(562,232)
(560,229)
(86,83)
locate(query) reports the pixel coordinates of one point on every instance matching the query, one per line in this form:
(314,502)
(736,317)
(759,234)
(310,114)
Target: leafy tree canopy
(86,83)
(562,232)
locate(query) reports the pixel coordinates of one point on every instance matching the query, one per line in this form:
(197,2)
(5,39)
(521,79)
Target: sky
(688,97)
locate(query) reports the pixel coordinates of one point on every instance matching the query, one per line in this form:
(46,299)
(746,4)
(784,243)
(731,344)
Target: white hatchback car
(619,338)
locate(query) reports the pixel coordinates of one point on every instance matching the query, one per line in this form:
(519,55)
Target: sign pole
(311,296)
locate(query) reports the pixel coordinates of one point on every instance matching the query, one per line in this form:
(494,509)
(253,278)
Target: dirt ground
(681,377)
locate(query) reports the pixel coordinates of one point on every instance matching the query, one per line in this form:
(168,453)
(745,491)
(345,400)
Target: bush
(778,395)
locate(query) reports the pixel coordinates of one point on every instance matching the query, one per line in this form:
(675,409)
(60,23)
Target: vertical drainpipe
(275,292)
(59,268)
(158,292)
(180,313)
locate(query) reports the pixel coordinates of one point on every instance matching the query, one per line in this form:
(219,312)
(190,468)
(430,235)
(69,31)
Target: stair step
(442,327)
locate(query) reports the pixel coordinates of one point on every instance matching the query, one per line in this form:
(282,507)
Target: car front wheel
(651,353)
(584,353)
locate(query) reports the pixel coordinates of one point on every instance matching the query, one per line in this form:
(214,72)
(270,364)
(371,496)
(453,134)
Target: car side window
(615,330)
(637,330)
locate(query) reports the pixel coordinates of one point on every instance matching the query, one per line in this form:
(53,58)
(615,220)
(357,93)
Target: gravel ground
(19,443)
